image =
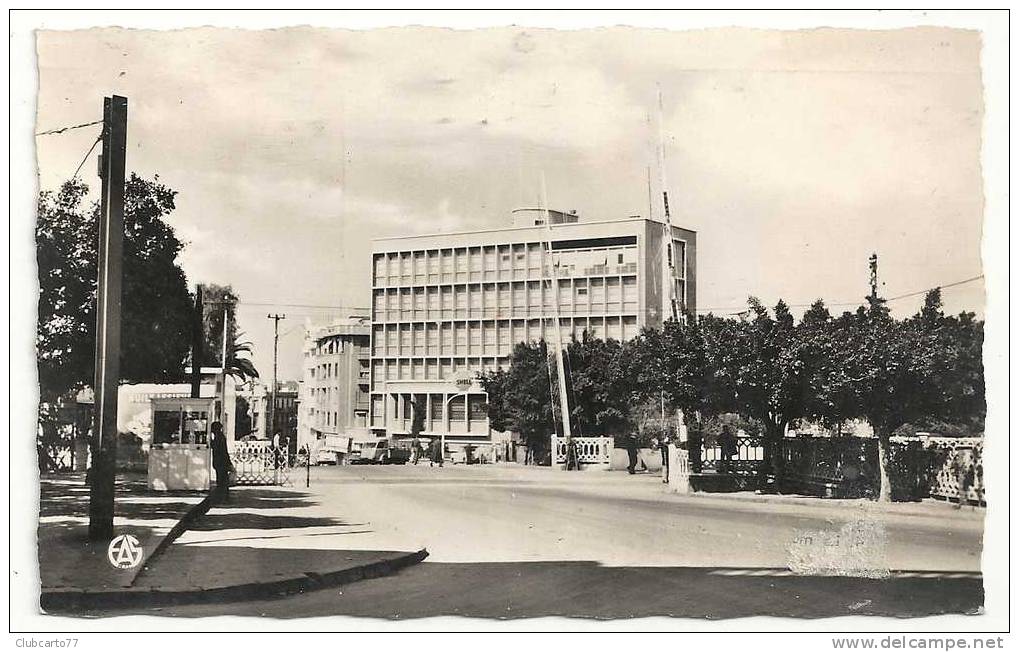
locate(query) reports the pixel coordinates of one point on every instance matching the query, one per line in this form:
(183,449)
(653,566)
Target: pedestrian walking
(439,455)
(727,442)
(415,450)
(964,474)
(221,462)
(631,453)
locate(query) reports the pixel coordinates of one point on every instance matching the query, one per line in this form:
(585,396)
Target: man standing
(221,461)
(631,452)
(663,446)
(727,442)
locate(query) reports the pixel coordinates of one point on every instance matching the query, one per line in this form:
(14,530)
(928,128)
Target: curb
(197,511)
(901,508)
(83,600)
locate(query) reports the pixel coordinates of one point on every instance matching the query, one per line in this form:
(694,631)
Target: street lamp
(442,449)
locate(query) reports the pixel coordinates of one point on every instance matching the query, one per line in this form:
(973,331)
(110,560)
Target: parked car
(372,451)
(325,456)
(397,455)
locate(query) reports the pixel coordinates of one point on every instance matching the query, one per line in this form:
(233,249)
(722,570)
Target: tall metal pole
(560,366)
(197,331)
(873,278)
(667,227)
(108,306)
(275,347)
(222,375)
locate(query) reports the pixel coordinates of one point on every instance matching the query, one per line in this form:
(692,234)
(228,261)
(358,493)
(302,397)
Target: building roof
(381,244)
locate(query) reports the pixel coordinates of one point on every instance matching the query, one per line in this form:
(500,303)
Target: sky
(793,154)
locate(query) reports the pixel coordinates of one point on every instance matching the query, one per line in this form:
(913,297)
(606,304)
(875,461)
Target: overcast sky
(794,155)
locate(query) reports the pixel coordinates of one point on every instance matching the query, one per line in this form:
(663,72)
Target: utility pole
(197,330)
(108,305)
(560,365)
(271,412)
(667,224)
(222,375)
(873,279)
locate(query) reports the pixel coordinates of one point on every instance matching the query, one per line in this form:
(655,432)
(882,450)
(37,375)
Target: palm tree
(241,368)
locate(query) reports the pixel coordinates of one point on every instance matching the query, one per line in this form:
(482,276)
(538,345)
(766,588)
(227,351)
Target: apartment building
(333,393)
(446,307)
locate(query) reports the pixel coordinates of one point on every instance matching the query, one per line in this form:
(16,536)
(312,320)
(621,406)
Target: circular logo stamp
(124,551)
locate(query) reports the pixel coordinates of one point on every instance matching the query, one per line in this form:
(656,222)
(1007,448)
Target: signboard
(464,381)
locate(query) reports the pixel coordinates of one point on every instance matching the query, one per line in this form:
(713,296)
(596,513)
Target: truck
(332,450)
(378,451)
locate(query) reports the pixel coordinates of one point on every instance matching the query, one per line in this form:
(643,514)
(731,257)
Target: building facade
(446,307)
(334,389)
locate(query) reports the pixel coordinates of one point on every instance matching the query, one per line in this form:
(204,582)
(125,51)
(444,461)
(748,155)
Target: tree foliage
(156,305)
(761,372)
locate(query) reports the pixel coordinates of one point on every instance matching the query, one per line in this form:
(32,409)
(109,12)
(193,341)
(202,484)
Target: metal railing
(260,463)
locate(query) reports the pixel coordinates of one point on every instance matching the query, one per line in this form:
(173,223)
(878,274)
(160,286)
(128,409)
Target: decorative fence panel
(259,463)
(919,467)
(590,450)
(961,463)
(747,460)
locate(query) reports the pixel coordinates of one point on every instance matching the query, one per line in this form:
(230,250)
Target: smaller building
(283,415)
(334,388)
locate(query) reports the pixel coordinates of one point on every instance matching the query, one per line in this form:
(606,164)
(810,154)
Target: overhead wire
(99,138)
(61,130)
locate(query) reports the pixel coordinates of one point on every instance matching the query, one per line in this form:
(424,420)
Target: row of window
(502,262)
(437,408)
(491,337)
(506,299)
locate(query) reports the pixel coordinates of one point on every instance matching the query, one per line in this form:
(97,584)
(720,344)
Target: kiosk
(180,456)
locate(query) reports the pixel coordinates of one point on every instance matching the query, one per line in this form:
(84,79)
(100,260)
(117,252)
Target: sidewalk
(68,560)
(264,542)
(266,535)
(648,486)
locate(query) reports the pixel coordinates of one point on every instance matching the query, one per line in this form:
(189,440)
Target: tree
(238,364)
(156,306)
(890,365)
(597,401)
(219,302)
(667,368)
(242,417)
(766,368)
(520,398)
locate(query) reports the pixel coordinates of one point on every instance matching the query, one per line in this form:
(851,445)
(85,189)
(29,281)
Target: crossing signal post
(108,306)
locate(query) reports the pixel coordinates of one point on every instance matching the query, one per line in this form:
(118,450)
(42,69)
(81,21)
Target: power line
(939,287)
(87,154)
(273,304)
(63,129)
(855,303)
(736,309)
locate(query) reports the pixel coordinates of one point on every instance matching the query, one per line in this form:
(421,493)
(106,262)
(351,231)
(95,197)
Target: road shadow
(592,591)
(250,508)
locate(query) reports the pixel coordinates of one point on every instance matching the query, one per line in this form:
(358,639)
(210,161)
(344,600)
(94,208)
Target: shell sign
(464,381)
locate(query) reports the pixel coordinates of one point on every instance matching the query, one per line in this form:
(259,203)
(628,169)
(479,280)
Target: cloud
(794,154)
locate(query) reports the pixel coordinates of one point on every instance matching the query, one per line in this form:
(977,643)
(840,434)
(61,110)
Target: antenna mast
(670,280)
(560,366)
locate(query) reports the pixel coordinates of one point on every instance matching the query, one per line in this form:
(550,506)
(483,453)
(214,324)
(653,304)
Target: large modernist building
(447,306)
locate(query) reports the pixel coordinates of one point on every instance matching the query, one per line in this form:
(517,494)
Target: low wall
(652,460)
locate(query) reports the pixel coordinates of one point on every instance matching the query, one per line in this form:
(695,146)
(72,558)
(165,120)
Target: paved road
(513,542)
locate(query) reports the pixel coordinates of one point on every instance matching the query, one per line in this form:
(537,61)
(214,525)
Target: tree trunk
(883,443)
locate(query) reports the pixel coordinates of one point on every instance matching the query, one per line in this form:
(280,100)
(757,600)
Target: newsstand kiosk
(180,457)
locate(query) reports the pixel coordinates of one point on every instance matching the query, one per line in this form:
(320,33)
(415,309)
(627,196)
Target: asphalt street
(510,542)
